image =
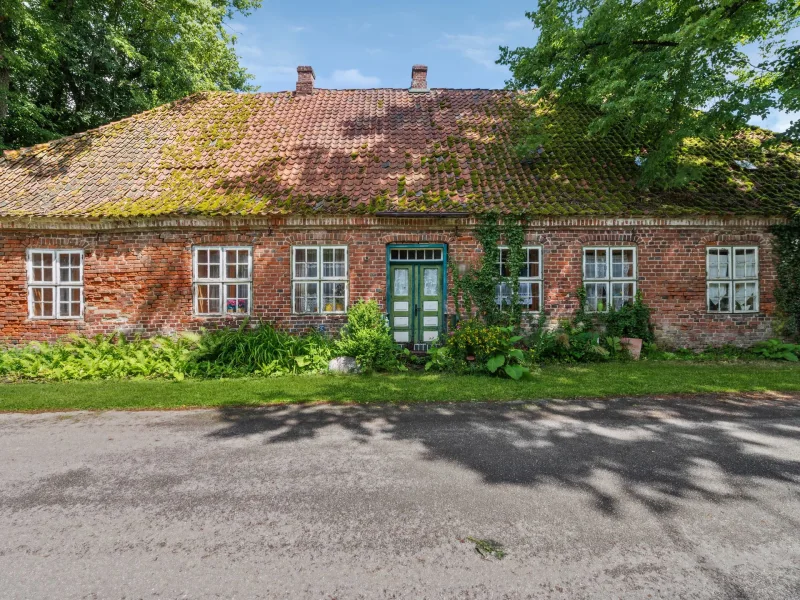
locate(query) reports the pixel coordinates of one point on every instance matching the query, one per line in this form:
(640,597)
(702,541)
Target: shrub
(777,350)
(632,320)
(367,338)
(473,338)
(262,350)
(101,357)
(570,343)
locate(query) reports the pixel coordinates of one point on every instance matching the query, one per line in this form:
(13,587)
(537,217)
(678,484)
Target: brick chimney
(419,78)
(305,81)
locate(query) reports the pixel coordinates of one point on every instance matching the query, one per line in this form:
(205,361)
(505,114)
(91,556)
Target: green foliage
(474,338)
(786,246)
(224,353)
(102,357)
(68,66)
(368,339)
(262,350)
(493,348)
(648,66)
(477,287)
(777,350)
(569,343)
(632,320)
(440,358)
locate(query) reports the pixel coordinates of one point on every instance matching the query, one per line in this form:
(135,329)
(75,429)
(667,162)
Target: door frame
(443,263)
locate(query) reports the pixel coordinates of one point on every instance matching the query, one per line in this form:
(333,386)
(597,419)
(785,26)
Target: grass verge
(596,380)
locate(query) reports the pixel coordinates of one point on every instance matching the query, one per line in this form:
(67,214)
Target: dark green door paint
(417,302)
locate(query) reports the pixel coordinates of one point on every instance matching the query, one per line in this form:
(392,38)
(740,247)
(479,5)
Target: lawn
(595,380)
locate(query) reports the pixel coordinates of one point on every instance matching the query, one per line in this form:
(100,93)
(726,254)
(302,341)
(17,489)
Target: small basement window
(732,279)
(55,284)
(222,280)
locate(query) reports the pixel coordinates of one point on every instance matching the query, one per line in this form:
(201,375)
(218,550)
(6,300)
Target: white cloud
(348,78)
(517,24)
(298,28)
(480,49)
(778,121)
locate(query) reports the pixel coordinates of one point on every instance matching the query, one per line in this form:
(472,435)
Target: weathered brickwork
(138,278)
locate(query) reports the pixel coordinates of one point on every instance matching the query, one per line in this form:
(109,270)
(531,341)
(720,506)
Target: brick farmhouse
(290,206)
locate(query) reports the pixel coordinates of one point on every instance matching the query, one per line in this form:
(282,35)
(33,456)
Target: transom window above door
(732,279)
(609,277)
(319,279)
(222,280)
(55,284)
(530,279)
(416,254)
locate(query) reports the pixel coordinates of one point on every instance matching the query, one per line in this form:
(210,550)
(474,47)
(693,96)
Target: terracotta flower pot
(634,346)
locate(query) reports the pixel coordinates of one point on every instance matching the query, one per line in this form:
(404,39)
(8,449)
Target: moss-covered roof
(367,151)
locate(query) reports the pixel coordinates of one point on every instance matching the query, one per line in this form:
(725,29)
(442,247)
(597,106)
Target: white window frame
(609,280)
(732,280)
(56,284)
(223,281)
(539,279)
(321,279)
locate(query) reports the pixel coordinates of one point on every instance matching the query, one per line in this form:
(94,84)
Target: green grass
(595,380)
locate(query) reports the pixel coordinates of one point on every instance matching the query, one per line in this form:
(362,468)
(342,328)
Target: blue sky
(373,44)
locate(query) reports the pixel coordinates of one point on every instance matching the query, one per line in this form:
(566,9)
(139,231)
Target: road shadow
(658,451)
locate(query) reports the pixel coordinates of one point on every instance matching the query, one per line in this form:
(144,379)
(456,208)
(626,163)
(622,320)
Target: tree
(69,65)
(664,70)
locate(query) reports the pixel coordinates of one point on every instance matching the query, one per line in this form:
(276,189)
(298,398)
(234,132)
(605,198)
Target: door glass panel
(401,282)
(431,282)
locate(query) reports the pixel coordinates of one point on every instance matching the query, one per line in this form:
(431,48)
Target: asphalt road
(614,499)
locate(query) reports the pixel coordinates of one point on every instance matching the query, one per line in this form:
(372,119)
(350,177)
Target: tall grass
(261,350)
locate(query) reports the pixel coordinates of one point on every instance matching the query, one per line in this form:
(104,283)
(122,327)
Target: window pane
(744,263)
(401,282)
(333,296)
(305,263)
(719,297)
(209,298)
(333,262)
(718,263)
(209,264)
(745,297)
(529,295)
(531,266)
(69,267)
(595,264)
(503,256)
(622,263)
(69,302)
(596,297)
(42,267)
(502,294)
(43,301)
(237,298)
(622,294)
(430,280)
(305,297)
(237,264)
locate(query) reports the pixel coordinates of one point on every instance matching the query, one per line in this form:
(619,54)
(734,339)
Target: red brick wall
(140,280)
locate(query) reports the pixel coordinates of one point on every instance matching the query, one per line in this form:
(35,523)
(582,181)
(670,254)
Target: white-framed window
(222,279)
(55,284)
(319,279)
(530,279)
(609,277)
(732,279)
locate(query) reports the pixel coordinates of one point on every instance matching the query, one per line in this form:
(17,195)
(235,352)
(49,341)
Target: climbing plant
(475,290)
(787,292)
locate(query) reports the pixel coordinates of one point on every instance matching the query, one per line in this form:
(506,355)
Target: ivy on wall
(475,290)
(787,293)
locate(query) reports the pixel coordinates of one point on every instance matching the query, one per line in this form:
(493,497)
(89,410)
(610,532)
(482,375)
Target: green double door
(416,306)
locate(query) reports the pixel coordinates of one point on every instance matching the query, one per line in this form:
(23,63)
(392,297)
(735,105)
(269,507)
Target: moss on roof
(364,151)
